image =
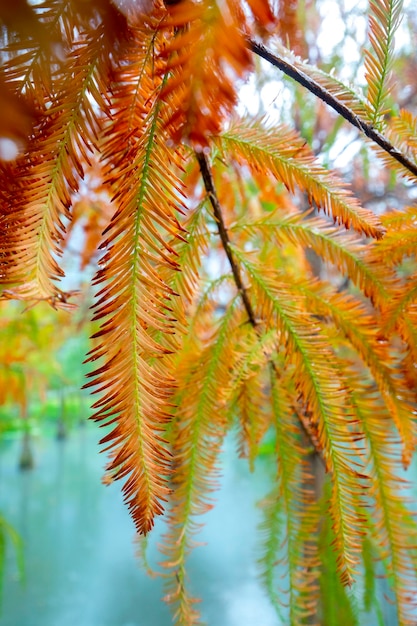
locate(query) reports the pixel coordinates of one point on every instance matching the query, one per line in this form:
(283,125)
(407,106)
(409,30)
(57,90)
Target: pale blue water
(79,552)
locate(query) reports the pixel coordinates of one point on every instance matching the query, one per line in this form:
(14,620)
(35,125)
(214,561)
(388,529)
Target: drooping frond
(206,56)
(133,303)
(400,240)
(198,431)
(314,367)
(405,319)
(190,254)
(394,526)
(344,250)
(255,352)
(253,417)
(280,151)
(38,199)
(246,388)
(400,314)
(361,331)
(371,601)
(271,530)
(384,18)
(291,518)
(338,603)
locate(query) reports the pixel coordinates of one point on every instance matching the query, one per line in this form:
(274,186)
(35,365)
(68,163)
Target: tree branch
(322,93)
(224,236)
(211,192)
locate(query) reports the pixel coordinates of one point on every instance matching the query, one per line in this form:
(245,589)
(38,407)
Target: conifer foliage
(139,99)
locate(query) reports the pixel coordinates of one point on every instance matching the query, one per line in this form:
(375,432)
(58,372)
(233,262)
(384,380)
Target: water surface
(80,560)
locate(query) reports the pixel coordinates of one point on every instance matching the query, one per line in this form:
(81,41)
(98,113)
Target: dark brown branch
(211,192)
(224,236)
(334,103)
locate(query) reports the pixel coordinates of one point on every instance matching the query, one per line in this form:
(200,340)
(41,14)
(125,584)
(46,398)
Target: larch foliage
(138,100)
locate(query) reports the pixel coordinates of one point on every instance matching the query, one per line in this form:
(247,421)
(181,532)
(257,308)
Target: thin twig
(224,236)
(211,192)
(334,103)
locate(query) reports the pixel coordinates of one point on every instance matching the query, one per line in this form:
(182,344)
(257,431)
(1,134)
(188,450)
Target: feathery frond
(284,154)
(384,18)
(42,186)
(246,388)
(359,328)
(400,314)
(322,396)
(394,525)
(206,56)
(137,330)
(339,606)
(344,250)
(199,427)
(291,517)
